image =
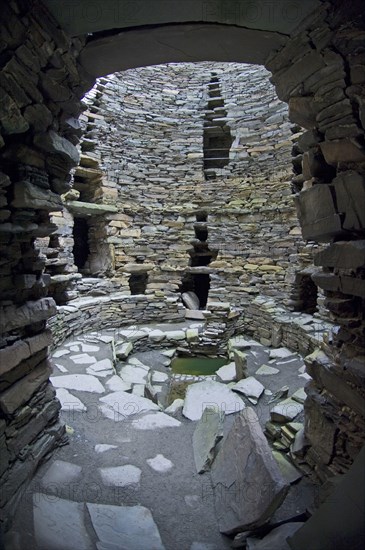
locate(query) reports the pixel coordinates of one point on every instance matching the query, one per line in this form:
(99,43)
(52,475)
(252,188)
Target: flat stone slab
(69,402)
(158,377)
(59,524)
(115,383)
(175,406)
(250,387)
(133,334)
(60,353)
(265,370)
(160,463)
(154,421)
(103,447)
(299,395)
(133,374)
(156,335)
(212,394)
(101,368)
(61,368)
(120,405)
(80,382)
(83,359)
(247,483)
(207,434)
(175,335)
(120,476)
(276,539)
(280,353)
(286,410)
(123,350)
(288,470)
(124,527)
(227,373)
(60,473)
(89,348)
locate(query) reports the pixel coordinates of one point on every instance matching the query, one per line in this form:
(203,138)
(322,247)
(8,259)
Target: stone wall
(320,73)
(144,137)
(41,85)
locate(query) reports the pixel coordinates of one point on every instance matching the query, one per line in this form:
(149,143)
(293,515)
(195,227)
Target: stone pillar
(320,73)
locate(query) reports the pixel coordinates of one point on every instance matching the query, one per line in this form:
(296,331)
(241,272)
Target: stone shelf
(88,209)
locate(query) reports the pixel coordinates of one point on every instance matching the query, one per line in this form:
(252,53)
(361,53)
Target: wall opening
(306,293)
(217,139)
(81,248)
(138,283)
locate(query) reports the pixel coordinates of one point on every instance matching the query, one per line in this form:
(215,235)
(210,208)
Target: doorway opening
(81,249)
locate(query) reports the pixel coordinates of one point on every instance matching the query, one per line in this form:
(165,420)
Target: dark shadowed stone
(27,195)
(345,254)
(302,110)
(31,312)
(190,299)
(38,116)
(276,539)
(343,150)
(350,195)
(248,485)
(12,121)
(208,432)
(22,391)
(59,146)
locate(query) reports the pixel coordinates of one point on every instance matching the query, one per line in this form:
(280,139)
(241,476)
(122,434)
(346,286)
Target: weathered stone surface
(119,405)
(120,476)
(155,421)
(190,300)
(276,539)
(350,197)
(58,146)
(227,373)
(60,473)
(160,463)
(129,527)
(69,403)
(50,517)
(302,110)
(12,317)
(80,382)
(250,387)
(289,472)
(23,389)
(285,410)
(207,434)
(210,394)
(123,350)
(248,486)
(342,150)
(27,195)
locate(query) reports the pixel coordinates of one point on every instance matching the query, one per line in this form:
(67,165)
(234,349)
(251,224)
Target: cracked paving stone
(103,447)
(119,405)
(280,353)
(60,353)
(120,476)
(69,402)
(59,524)
(89,348)
(133,374)
(265,370)
(227,373)
(115,383)
(160,463)
(124,527)
(212,394)
(79,382)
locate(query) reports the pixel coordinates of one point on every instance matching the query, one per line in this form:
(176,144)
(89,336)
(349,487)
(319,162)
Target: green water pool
(197,365)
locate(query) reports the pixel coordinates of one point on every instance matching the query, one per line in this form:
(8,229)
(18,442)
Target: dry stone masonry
(135,209)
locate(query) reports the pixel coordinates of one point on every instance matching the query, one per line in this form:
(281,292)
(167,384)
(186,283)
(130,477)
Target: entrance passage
(81,248)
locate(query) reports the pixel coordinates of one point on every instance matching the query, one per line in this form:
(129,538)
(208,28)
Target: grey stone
(160,463)
(69,403)
(134,374)
(285,410)
(83,359)
(120,405)
(280,353)
(80,382)
(156,335)
(276,539)
(227,373)
(123,350)
(175,406)
(289,472)
(155,421)
(250,387)
(60,473)
(50,518)
(124,527)
(190,300)
(265,370)
(207,434)
(248,486)
(212,394)
(103,447)
(115,383)
(120,476)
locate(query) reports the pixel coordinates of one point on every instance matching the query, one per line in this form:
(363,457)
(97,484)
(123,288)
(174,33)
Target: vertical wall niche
(81,249)
(196,280)
(138,283)
(305,293)
(217,139)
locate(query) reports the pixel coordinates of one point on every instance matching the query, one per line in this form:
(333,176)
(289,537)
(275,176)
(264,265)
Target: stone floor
(127,480)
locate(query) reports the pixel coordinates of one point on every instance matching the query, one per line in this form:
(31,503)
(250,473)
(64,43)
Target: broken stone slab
(212,394)
(265,370)
(288,470)
(115,383)
(123,350)
(227,373)
(279,394)
(27,195)
(120,405)
(31,312)
(207,434)
(60,353)
(120,476)
(276,539)
(158,377)
(247,483)
(50,515)
(285,411)
(124,527)
(103,447)
(280,353)
(83,359)
(155,421)
(156,335)
(299,395)
(60,473)
(190,300)
(105,365)
(69,403)
(175,406)
(240,360)
(250,387)
(20,392)
(133,374)
(79,382)
(160,463)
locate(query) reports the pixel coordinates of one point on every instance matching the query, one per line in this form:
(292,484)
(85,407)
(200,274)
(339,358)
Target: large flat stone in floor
(154,421)
(60,473)
(80,382)
(247,483)
(124,527)
(120,476)
(69,402)
(59,524)
(210,394)
(120,405)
